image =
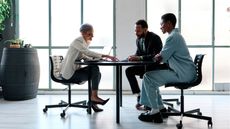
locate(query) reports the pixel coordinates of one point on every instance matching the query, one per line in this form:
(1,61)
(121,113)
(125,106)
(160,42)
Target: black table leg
(120,84)
(117,94)
(89,89)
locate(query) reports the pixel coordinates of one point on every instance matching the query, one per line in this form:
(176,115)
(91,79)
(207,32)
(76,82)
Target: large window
(51,25)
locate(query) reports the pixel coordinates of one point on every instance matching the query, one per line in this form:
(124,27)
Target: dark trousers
(82,74)
(139,70)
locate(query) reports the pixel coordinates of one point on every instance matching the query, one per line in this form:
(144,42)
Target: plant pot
(20,73)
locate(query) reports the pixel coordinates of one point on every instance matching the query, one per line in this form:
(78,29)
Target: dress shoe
(96,108)
(147,117)
(101,103)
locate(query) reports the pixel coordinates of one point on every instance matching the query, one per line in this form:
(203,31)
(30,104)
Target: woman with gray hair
(78,50)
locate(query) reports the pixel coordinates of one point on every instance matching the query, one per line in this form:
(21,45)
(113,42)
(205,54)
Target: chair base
(80,104)
(166,102)
(174,112)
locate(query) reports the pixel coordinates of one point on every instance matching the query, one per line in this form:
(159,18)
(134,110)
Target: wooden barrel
(20,73)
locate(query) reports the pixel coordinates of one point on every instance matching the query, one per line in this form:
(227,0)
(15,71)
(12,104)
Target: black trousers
(82,74)
(139,70)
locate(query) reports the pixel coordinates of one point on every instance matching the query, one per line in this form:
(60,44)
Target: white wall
(127,13)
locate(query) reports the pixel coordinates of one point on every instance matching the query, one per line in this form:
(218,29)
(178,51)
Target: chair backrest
(198,62)
(184,85)
(55,70)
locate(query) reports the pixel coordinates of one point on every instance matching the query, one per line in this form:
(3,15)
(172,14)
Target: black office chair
(186,85)
(55,62)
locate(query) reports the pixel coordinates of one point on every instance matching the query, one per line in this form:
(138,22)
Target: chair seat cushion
(183,85)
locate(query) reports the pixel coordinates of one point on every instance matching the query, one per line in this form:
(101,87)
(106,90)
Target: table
(118,65)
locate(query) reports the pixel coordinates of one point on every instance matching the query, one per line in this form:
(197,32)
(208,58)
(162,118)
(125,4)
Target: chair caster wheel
(199,113)
(210,123)
(62,114)
(179,126)
(45,110)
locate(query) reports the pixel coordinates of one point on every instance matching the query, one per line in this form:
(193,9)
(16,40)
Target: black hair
(143,23)
(169,17)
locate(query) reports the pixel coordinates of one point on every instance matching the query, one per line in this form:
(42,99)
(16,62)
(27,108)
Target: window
(65,21)
(155,9)
(33,22)
(102,21)
(62,24)
(222,22)
(222,63)
(196,22)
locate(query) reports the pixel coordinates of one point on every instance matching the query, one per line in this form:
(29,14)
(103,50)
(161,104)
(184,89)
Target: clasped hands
(156,58)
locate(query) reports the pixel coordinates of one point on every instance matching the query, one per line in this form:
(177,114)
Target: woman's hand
(112,58)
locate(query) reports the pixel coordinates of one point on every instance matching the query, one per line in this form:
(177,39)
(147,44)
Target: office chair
(186,85)
(55,62)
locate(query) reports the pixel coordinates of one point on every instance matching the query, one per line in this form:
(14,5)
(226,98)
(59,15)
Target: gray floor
(29,115)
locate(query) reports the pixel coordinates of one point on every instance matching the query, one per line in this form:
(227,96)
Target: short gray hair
(86,27)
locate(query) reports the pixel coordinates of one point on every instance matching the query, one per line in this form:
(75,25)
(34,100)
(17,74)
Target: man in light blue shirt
(181,69)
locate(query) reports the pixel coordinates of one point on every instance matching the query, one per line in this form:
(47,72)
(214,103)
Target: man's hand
(157,58)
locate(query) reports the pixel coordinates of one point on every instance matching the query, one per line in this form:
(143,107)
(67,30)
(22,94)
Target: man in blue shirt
(181,69)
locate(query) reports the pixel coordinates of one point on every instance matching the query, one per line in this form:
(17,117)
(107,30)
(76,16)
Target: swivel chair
(56,62)
(186,85)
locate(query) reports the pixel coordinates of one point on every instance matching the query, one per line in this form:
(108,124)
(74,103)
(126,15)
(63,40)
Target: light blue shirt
(176,54)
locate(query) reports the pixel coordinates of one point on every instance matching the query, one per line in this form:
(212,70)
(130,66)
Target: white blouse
(78,50)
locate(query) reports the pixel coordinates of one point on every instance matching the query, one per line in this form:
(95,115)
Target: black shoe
(96,108)
(101,103)
(164,110)
(156,118)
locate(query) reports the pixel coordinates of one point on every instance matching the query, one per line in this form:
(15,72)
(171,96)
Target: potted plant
(5,12)
(15,43)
